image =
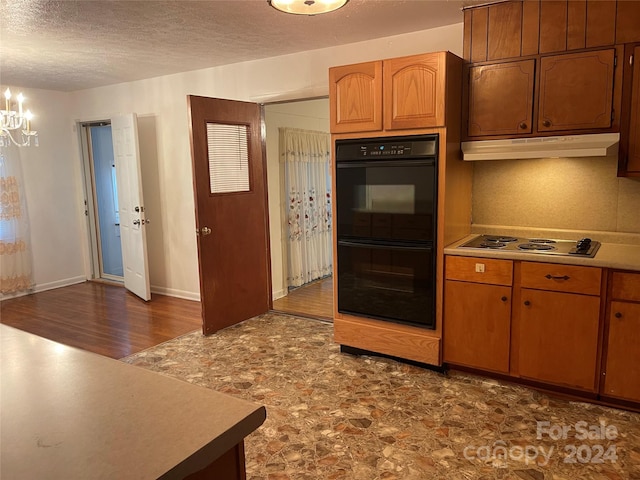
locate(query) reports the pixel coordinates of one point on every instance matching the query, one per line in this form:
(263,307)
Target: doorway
(314,299)
(101,204)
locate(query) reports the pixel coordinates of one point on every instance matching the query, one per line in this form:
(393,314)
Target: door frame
(94,271)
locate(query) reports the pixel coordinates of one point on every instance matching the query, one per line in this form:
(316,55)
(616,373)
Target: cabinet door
(477,319)
(576,91)
(622,372)
(501,98)
(414,91)
(558,338)
(355,97)
(633,162)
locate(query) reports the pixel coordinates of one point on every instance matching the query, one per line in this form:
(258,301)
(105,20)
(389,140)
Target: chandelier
(307,7)
(16,124)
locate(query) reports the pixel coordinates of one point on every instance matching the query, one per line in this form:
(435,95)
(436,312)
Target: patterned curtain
(305,155)
(15,249)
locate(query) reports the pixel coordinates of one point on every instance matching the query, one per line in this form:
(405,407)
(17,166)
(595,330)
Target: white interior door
(133,235)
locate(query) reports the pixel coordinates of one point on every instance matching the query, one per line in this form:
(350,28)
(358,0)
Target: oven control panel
(400,147)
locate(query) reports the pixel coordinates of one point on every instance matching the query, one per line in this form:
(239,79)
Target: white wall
(308,115)
(53,171)
(51,174)
(164,130)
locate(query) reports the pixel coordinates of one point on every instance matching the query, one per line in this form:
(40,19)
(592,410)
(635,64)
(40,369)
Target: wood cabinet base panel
(410,343)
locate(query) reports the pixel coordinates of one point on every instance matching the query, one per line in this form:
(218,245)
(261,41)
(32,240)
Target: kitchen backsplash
(556,193)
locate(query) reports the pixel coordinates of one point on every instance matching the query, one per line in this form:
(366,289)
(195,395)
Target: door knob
(205,231)
(136,222)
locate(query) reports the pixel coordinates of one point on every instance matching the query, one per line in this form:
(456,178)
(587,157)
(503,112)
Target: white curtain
(15,248)
(306,155)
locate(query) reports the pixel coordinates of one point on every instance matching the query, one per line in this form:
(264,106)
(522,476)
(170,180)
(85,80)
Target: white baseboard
(42,287)
(279,294)
(172,292)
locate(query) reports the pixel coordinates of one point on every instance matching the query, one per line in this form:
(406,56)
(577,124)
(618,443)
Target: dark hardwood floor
(102,318)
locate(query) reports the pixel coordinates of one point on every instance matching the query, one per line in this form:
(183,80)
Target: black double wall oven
(386,205)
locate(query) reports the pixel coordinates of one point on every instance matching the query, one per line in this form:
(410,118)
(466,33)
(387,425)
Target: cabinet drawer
(561,278)
(625,286)
(479,270)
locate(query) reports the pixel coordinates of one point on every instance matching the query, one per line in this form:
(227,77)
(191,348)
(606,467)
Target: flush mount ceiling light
(307,7)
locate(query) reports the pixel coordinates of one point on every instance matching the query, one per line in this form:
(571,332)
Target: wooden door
(477,325)
(622,379)
(355,94)
(558,338)
(414,91)
(576,91)
(501,98)
(633,162)
(133,230)
(229,175)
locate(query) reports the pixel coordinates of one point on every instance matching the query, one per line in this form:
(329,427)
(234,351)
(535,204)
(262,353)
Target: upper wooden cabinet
(627,21)
(501,98)
(529,27)
(629,158)
(394,94)
(356,97)
(414,91)
(576,91)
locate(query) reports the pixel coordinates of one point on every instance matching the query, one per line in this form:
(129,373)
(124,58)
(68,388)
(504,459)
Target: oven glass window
(378,201)
(389,282)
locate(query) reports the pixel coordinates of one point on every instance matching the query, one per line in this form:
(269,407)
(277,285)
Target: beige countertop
(67,413)
(610,255)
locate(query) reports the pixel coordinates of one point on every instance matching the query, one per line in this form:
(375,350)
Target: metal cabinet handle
(523,125)
(546,123)
(527,303)
(504,299)
(557,277)
(618,315)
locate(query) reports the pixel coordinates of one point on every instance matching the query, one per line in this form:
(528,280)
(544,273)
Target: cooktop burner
(500,239)
(584,247)
(536,246)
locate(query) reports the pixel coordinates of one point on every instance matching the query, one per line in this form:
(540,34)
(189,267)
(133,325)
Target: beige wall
(308,115)
(560,193)
(50,173)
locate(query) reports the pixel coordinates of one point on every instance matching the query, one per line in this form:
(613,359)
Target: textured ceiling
(71,45)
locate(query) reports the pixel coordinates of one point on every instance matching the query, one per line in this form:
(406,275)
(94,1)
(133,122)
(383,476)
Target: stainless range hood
(596,145)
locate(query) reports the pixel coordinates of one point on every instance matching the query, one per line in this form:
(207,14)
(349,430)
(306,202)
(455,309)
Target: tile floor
(335,416)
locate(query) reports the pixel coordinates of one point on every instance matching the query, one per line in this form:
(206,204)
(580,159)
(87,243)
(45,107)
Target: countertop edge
(610,255)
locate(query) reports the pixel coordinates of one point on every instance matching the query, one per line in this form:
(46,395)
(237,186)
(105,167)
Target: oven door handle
(384,245)
(385,163)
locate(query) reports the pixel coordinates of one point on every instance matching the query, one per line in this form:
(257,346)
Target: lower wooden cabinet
(622,373)
(542,322)
(621,369)
(558,338)
(477,326)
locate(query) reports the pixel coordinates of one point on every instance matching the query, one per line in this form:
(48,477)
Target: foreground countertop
(67,413)
(610,255)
